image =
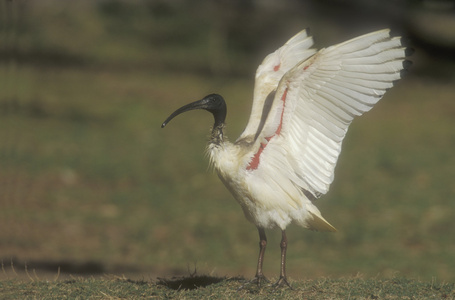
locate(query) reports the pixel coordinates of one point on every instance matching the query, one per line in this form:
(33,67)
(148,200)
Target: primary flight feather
(304,101)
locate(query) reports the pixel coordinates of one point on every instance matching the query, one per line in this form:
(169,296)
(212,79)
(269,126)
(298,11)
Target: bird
(304,100)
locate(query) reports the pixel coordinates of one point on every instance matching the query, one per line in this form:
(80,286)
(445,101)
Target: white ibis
(304,101)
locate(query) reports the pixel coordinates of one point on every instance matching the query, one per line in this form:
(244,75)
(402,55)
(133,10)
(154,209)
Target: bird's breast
(228,159)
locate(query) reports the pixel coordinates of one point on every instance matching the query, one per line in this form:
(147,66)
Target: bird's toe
(257,280)
(282,282)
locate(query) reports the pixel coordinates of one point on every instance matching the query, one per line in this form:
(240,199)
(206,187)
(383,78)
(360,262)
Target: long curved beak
(200,104)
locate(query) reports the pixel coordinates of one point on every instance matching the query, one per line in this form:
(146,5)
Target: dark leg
(262,244)
(259,278)
(284,244)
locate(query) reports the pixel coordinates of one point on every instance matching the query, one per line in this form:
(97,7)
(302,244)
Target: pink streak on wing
(283,98)
(276,68)
(254,163)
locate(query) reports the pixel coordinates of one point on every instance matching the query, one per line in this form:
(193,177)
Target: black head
(213,103)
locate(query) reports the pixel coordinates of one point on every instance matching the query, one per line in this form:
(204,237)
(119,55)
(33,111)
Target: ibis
(303,103)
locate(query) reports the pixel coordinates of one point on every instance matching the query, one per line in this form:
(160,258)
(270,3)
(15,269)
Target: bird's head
(213,103)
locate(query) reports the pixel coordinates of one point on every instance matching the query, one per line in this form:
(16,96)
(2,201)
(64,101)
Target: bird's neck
(217,136)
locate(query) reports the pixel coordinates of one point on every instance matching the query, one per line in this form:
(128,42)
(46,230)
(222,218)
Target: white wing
(270,72)
(316,101)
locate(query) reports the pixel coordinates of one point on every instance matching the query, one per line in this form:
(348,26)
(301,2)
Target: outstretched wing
(269,74)
(315,103)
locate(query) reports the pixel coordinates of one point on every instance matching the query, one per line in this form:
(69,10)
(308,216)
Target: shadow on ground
(66,266)
(68,270)
(192,282)
(12,268)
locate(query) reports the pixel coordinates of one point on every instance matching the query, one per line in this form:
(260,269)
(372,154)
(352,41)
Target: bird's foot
(257,280)
(281,282)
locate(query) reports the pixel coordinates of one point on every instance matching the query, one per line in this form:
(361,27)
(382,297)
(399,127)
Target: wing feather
(269,74)
(316,101)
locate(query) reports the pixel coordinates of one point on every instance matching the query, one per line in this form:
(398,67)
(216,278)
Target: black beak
(200,104)
(213,103)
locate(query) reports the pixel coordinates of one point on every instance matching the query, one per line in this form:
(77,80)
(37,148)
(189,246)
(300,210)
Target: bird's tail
(317,222)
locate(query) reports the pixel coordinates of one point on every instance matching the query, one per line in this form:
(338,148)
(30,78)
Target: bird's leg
(259,278)
(284,244)
(262,244)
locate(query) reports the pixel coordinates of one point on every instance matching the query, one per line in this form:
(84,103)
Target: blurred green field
(90,183)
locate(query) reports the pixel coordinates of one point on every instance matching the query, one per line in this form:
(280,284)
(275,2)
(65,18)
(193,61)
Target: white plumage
(304,101)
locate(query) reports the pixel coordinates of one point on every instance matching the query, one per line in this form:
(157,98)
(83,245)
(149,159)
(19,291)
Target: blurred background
(90,184)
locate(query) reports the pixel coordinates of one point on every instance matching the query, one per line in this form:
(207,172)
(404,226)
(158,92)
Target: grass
(206,287)
(90,184)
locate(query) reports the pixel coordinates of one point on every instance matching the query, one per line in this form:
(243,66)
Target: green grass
(90,183)
(205,287)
